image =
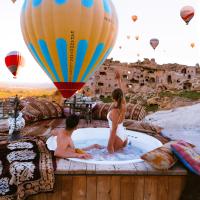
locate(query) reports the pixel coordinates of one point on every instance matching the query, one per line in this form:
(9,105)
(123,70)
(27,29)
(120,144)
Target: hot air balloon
(138,55)
(137,37)
(13,60)
(13,1)
(192,44)
(154,43)
(134,18)
(128,37)
(69,39)
(120,47)
(187,13)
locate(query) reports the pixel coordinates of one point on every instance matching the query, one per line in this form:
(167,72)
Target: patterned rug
(26,168)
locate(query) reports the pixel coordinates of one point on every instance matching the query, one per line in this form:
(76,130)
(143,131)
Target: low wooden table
(84,107)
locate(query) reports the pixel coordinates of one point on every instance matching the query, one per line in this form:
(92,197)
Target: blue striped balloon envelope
(69,38)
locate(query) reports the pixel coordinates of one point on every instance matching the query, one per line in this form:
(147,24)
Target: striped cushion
(133,111)
(145,127)
(188,156)
(35,109)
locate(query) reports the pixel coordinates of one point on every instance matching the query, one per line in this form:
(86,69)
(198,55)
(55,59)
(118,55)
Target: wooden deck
(133,181)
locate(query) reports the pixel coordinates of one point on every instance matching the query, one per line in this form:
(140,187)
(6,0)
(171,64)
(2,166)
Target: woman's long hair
(117,95)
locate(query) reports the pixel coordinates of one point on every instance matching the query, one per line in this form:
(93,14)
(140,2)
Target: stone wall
(143,77)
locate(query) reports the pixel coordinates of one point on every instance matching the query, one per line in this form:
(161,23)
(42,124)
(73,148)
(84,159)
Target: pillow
(58,108)
(51,107)
(100,111)
(29,110)
(188,156)
(133,111)
(28,117)
(142,126)
(160,158)
(163,157)
(4,126)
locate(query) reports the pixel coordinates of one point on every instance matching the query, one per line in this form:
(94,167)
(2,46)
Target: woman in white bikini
(116,116)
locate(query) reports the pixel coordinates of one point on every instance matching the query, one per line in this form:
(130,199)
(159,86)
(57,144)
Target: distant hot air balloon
(120,47)
(192,44)
(128,37)
(13,1)
(69,38)
(187,13)
(134,18)
(137,37)
(13,60)
(154,43)
(138,55)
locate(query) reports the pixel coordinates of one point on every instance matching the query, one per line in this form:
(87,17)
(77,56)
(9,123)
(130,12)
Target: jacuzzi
(138,144)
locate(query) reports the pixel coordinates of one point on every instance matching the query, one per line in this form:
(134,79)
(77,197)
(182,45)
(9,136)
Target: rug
(26,168)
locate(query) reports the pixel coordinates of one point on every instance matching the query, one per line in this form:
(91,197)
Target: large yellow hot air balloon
(69,38)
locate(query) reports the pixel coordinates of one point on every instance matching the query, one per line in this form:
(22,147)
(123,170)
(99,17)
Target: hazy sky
(156,19)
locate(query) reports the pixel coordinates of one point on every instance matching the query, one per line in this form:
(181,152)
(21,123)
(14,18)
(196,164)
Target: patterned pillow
(30,111)
(3,126)
(133,111)
(37,109)
(160,158)
(142,126)
(51,107)
(163,158)
(58,108)
(188,156)
(46,113)
(101,110)
(29,117)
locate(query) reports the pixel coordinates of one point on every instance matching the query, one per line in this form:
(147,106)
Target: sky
(156,19)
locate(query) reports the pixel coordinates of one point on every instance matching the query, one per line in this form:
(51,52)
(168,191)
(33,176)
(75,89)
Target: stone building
(143,77)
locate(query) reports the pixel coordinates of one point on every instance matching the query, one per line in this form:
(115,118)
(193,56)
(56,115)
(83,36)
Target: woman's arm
(118,78)
(115,119)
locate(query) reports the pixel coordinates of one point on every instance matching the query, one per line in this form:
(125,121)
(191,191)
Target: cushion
(133,111)
(188,156)
(3,126)
(52,108)
(142,126)
(37,109)
(101,110)
(28,117)
(33,114)
(58,108)
(163,157)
